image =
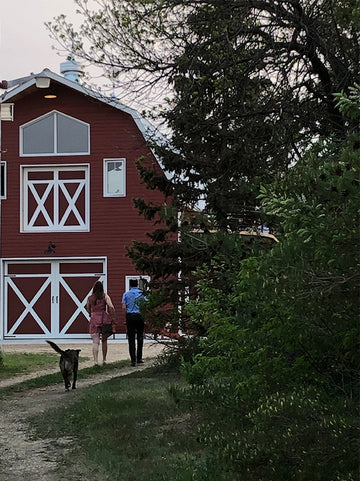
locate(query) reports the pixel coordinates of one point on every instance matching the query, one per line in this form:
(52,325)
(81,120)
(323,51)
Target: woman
(96,305)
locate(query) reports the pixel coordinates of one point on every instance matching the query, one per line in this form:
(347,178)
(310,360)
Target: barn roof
(19,86)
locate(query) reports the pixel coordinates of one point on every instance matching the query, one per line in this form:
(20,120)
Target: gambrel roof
(148,131)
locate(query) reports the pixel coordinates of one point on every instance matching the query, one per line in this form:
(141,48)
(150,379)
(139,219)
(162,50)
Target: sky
(26,46)
(25,43)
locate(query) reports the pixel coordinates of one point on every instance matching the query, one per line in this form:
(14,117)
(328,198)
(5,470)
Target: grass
(56,378)
(131,428)
(14,364)
(128,428)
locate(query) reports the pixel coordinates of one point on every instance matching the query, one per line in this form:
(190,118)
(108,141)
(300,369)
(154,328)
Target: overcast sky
(25,45)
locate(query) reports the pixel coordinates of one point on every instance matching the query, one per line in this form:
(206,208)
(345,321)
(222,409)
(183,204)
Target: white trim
(55,224)
(127,279)
(105,177)
(55,278)
(54,153)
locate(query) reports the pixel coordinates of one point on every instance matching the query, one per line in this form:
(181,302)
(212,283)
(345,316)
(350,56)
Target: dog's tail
(55,347)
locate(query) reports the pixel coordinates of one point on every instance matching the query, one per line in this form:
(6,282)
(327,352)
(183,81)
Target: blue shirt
(132,299)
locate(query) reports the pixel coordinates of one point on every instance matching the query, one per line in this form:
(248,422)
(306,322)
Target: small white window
(2,180)
(143,282)
(114,178)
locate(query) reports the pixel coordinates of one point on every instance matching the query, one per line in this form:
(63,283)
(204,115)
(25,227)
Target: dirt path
(23,458)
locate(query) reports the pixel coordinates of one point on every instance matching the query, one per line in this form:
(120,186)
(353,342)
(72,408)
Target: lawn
(15,364)
(132,428)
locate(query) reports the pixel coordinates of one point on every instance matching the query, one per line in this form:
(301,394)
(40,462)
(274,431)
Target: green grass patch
(56,378)
(15,364)
(131,428)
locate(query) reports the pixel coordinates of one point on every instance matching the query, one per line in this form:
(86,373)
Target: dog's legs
(67,381)
(75,371)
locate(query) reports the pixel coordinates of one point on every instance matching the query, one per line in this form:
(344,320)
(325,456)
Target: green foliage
(248,87)
(349,105)
(279,371)
(235,127)
(176,354)
(301,434)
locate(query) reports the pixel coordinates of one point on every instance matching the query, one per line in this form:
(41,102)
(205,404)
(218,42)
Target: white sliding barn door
(46,299)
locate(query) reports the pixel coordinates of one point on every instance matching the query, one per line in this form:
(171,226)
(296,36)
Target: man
(131,302)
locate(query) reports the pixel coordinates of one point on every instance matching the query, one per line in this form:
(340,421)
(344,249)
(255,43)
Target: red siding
(115,222)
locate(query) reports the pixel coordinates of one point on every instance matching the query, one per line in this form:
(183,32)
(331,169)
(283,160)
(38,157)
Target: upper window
(55,134)
(55,198)
(114,178)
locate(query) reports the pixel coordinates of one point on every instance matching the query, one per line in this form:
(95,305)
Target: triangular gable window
(55,134)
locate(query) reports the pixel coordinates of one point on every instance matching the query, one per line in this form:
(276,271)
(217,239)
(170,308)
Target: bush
(178,352)
(279,373)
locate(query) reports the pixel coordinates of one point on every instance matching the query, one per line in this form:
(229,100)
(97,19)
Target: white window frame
(58,225)
(54,153)
(3,175)
(105,178)
(127,280)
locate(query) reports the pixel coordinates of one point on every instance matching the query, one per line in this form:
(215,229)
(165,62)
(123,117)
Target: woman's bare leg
(96,342)
(104,347)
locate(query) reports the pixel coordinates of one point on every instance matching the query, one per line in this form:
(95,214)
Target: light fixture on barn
(51,94)
(42,82)
(50,249)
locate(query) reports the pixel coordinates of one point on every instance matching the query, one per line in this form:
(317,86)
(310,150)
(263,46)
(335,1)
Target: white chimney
(71,70)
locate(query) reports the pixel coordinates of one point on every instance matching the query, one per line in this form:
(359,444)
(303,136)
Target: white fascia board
(6,96)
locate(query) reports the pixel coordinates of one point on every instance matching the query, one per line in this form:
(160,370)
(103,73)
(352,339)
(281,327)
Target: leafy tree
(250,85)
(251,82)
(279,371)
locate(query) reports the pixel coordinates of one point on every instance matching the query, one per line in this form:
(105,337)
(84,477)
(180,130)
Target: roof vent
(71,70)
(7,111)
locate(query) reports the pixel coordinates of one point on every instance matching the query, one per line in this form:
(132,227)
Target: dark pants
(135,327)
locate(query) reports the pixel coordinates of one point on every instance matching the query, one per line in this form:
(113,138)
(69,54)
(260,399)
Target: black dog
(69,363)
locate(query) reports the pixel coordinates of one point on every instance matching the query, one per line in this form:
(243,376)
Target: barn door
(47,298)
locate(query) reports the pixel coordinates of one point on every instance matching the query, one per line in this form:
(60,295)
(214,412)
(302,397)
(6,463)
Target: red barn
(68,179)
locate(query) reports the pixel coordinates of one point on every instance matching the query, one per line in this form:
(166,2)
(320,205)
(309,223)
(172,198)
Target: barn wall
(115,222)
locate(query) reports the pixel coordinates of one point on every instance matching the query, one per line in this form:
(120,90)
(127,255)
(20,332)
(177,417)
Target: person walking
(100,306)
(131,302)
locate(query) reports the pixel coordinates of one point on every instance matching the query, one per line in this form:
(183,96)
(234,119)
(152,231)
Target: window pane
(72,135)
(115,177)
(38,137)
